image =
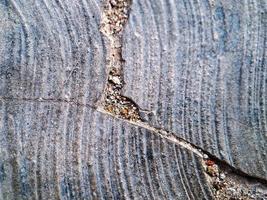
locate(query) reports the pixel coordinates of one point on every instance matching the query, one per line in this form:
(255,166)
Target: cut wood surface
(72,152)
(198,69)
(141,99)
(52,50)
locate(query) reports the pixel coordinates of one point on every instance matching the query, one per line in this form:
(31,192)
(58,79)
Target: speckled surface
(198,69)
(191,75)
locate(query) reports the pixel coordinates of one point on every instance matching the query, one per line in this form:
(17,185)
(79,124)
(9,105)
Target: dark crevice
(161,132)
(114,18)
(172,137)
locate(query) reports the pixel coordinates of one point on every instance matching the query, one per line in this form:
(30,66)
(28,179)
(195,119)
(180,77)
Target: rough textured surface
(114,18)
(229,184)
(193,71)
(198,69)
(51,50)
(60,150)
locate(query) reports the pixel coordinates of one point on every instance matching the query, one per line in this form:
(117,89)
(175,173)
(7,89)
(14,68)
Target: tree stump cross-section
(133,99)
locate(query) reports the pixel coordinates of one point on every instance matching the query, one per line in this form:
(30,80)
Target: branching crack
(227,182)
(222,176)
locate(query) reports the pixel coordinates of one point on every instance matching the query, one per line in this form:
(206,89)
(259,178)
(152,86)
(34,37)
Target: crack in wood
(223,166)
(114,17)
(225,179)
(221,175)
(47,100)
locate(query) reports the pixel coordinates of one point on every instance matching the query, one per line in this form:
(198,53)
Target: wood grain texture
(198,69)
(53,144)
(64,151)
(51,50)
(195,68)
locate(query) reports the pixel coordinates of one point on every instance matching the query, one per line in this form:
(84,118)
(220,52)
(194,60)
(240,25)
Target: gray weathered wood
(51,49)
(195,68)
(52,144)
(198,69)
(64,151)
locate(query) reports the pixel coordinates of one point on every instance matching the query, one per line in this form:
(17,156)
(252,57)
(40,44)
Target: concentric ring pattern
(51,50)
(198,69)
(65,151)
(53,142)
(195,68)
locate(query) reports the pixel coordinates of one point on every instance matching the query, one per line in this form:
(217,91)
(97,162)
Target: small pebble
(116,80)
(222,176)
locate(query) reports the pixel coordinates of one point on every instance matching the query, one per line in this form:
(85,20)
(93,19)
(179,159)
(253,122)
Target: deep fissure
(113,103)
(172,137)
(114,17)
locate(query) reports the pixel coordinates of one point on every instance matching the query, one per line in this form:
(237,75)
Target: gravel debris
(115,79)
(222,176)
(115,16)
(227,185)
(114,19)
